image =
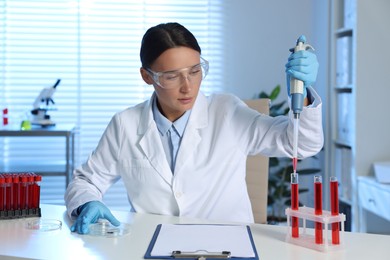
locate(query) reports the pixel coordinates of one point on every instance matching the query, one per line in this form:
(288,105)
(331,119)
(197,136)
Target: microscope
(42,104)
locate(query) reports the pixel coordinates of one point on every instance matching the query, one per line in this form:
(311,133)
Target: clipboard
(202,242)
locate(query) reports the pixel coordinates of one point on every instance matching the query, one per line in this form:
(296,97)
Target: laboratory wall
(259,35)
(373,80)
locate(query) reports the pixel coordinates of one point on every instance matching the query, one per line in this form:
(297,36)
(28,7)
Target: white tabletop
(16,241)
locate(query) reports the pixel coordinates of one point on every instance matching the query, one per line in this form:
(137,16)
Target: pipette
(297,97)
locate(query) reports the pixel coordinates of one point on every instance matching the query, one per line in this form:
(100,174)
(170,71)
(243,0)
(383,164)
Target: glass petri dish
(103,228)
(44,224)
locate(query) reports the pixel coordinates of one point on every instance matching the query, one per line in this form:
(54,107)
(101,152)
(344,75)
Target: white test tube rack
(308,240)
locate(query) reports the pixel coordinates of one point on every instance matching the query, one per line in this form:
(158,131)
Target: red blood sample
(318,208)
(334,209)
(294,206)
(2,192)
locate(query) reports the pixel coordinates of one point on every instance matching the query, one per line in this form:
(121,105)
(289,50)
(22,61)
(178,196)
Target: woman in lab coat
(182,153)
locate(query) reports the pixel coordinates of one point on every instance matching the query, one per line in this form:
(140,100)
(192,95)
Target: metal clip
(201,254)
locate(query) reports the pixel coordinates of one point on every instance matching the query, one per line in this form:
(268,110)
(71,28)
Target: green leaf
(273,161)
(263,95)
(275,93)
(286,111)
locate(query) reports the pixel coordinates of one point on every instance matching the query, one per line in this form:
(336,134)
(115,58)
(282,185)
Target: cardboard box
(382,172)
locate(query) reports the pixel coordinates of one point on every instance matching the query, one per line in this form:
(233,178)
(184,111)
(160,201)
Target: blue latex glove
(302,65)
(90,212)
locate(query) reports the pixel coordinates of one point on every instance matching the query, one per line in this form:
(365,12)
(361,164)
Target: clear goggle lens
(174,79)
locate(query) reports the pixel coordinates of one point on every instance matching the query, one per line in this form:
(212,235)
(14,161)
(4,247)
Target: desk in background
(60,130)
(18,242)
(374,205)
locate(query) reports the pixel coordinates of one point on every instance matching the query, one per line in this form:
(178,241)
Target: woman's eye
(170,76)
(195,71)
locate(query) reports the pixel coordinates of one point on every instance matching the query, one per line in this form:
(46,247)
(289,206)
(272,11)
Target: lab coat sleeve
(273,136)
(92,179)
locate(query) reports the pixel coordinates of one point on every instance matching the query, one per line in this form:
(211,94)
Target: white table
(17,242)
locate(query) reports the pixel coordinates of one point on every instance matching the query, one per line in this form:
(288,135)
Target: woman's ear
(146,76)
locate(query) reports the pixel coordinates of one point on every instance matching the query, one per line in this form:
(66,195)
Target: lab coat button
(178,195)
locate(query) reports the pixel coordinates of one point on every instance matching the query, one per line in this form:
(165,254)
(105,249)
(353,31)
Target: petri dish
(44,224)
(103,228)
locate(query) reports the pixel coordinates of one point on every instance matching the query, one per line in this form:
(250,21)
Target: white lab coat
(209,177)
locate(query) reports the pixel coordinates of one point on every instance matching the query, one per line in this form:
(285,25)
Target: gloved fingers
(304,58)
(308,78)
(108,215)
(79,226)
(73,227)
(299,68)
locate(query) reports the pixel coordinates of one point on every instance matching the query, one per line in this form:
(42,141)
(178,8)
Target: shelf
(344,32)
(344,89)
(342,144)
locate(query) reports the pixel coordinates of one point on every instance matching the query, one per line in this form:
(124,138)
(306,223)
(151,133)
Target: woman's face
(182,80)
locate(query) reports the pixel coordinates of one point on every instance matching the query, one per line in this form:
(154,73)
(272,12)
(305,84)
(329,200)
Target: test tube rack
(19,195)
(308,240)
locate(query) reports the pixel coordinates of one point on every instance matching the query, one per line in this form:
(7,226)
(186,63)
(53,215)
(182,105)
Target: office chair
(257,171)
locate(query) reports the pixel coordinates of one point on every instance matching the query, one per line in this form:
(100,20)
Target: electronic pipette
(297,97)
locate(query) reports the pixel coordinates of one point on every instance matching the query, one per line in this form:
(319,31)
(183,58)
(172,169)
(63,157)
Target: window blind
(93,47)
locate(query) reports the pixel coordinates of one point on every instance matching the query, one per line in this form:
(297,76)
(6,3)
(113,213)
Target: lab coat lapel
(191,138)
(151,145)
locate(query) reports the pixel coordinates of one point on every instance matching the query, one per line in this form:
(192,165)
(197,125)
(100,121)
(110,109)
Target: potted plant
(279,192)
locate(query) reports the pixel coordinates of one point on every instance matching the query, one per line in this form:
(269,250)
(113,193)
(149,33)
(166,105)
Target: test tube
(2,192)
(334,209)
(294,204)
(16,195)
(37,190)
(30,191)
(318,208)
(8,192)
(23,191)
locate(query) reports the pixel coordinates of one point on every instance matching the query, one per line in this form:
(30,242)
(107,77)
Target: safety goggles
(175,78)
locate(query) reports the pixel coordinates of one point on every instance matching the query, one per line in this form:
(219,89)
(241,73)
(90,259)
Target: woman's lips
(185,100)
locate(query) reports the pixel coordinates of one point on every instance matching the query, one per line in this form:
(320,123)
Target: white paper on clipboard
(210,238)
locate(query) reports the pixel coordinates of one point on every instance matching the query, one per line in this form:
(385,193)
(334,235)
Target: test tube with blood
(8,192)
(2,192)
(16,195)
(294,204)
(23,191)
(334,209)
(30,189)
(318,208)
(37,190)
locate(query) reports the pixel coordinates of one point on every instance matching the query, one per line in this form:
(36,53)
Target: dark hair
(162,37)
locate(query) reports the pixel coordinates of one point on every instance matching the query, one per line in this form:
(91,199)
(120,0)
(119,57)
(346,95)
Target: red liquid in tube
(318,208)
(15,197)
(23,191)
(294,205)
(30,191)
(334,209)
(2,192)
(37,190)
(8,193)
